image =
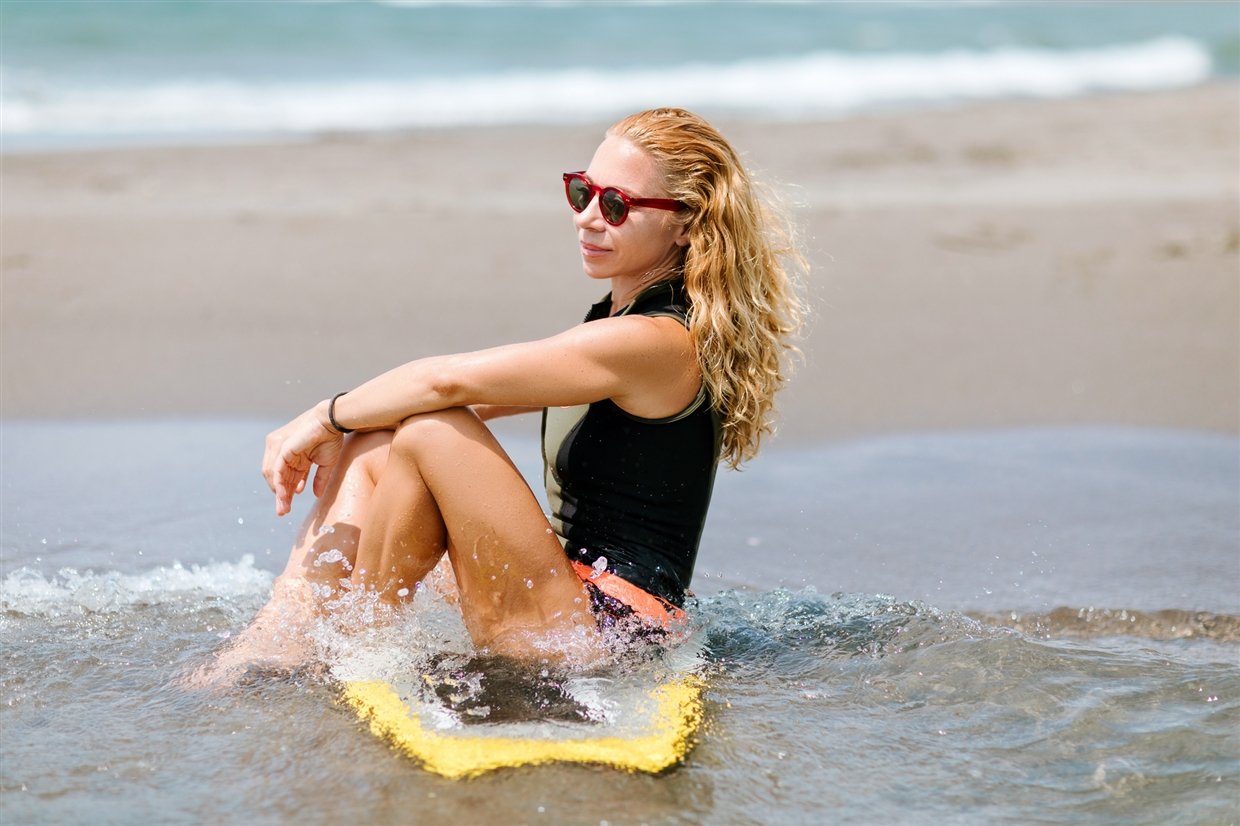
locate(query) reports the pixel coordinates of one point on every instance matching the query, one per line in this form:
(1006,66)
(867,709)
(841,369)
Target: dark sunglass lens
(613,207)
(578,193)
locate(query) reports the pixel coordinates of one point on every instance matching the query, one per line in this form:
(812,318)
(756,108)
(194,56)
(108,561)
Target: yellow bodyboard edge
(677,714)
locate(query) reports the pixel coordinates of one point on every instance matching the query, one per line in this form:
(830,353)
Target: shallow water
(852,709)
(844,708)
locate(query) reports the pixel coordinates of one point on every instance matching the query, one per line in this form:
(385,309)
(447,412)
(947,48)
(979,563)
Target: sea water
(856,627)
(110,71)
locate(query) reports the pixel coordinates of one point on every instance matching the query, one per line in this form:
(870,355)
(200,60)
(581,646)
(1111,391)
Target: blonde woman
(671,373)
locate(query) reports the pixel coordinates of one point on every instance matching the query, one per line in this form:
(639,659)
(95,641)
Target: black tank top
(633,490)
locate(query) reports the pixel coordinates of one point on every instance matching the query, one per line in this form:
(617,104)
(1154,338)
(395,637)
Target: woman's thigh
(515,581)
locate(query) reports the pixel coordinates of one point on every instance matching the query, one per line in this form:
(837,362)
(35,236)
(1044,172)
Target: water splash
(26,592)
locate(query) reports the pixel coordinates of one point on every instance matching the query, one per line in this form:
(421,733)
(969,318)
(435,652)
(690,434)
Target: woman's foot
(276,639)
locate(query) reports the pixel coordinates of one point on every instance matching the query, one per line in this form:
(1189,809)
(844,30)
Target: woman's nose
(591,217)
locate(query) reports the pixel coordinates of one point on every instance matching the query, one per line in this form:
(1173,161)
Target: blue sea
(107,71)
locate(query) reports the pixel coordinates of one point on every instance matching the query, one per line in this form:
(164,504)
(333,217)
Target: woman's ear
(680,232)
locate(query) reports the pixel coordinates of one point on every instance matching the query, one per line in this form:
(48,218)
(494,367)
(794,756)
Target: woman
(674,371)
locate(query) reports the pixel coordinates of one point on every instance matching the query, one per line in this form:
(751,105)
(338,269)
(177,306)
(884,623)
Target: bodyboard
(637,725)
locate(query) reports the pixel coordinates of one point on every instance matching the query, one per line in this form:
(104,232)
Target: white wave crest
(807,86)
(28,593)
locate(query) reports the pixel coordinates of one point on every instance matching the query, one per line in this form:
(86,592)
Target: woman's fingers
(284,478)
(291,453)
(270,453)
(321,478)
(290,472)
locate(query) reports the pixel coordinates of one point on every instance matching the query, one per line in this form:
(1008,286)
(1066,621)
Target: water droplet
(327,557)
(554,572)
(600,564)
(403,592)
(240,521)
(529,583)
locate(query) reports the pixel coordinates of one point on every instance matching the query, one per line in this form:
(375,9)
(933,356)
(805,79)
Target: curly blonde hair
(740,269)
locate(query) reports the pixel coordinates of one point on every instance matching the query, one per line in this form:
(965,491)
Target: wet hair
(741,268)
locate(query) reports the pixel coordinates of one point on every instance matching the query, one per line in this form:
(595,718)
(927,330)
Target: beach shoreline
(1000,265)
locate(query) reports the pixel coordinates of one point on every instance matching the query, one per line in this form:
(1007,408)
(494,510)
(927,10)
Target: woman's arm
(640,363)
(646,365)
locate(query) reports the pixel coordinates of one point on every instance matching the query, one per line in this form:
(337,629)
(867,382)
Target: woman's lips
(591,251)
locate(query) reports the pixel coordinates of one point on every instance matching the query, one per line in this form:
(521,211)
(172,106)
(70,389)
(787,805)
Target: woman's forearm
(385,401)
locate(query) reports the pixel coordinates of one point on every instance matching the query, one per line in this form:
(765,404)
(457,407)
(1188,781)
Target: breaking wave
(809,86)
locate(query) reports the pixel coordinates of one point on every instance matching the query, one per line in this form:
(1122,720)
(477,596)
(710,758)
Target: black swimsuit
(633,490)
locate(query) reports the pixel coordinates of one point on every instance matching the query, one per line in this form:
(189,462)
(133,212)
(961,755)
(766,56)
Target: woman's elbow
(447,388)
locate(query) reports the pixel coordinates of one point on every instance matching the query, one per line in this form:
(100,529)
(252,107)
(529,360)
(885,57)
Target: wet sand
(1003,265)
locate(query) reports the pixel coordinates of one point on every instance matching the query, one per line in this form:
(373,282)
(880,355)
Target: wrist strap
(331,415)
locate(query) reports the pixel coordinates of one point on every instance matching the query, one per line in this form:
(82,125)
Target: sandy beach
(1007,264)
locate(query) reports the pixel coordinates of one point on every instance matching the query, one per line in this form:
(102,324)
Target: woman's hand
(294,449)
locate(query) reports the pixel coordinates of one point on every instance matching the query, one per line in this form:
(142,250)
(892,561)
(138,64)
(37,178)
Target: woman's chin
(596,272)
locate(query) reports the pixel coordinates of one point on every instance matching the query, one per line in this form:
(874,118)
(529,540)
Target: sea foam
(29,593)
(821,84)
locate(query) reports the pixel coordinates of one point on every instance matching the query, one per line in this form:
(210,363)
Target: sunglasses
(612,203)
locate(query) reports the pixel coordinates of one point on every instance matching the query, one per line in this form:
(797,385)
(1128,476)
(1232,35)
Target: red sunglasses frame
(669,204)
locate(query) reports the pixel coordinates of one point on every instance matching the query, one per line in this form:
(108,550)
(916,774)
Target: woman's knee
(366,453)
(434,429)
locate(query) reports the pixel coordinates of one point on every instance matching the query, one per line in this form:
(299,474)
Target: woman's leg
(448,486)
(323,554)
(326,547)
(395,503)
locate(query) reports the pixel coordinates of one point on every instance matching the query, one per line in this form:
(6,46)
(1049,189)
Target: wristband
(331,415)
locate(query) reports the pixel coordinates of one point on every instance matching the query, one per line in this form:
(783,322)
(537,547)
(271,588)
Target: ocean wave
(28,593)
(809,86)
(1117,622)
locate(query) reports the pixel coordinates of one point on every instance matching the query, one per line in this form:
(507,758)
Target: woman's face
(650,240)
